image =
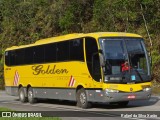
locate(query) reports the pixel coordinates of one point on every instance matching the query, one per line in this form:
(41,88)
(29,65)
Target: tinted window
(20,56)
(63,51)
(7,58)
(115,55)
(12,58)
(91,47)
(114,49)
(92,58)
(28,55)
(39,54)
(54,52)
(134,46)
(50,52)
(76,50)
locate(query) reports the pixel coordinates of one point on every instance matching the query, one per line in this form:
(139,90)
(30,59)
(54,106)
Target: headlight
(147,89)
(111,91)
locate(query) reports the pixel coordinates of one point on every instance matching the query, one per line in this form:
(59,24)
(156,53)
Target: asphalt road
(67,110)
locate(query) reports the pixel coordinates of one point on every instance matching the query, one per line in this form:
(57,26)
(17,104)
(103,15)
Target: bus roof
(74,36)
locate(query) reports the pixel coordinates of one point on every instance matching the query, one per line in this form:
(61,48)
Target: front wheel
(31,98)
(82,99)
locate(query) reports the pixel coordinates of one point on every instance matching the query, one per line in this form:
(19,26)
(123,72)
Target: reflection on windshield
(125,56)
(114,55)
(136,55)
(114,49)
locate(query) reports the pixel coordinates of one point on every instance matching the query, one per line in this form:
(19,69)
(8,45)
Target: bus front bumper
(122,96)
(103,96)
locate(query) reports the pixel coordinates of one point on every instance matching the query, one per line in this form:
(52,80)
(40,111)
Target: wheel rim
(83,98)
(30,95)
(21,96)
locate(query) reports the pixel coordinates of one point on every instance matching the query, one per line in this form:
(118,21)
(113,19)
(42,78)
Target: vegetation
(5,109)
(25,21)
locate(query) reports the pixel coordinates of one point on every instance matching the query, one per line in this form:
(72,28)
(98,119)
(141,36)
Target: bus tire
(22,96)
(31,98)
(82,99)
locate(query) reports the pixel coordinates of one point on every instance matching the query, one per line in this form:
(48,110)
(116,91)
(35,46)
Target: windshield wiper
(139,75)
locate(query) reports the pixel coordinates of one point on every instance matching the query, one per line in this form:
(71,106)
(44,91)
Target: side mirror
(101,57)
(102,61)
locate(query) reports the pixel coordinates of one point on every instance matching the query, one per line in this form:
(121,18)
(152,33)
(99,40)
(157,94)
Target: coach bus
(101,67)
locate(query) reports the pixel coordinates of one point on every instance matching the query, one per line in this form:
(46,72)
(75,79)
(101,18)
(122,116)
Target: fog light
(146,89)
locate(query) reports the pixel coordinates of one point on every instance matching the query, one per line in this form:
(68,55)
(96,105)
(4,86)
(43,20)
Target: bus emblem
(71,82)
(131,89)
(16,78)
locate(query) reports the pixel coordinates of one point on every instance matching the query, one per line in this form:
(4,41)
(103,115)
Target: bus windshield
(126,60)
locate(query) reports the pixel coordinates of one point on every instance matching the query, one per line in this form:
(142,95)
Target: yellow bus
(105,67)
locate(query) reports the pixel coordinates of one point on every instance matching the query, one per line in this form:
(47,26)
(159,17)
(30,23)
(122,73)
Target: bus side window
(93,62)
(7,58)
(50,52)
(12,58)
(76,50)
(20,57)
(63,51)
(28,55)
(39,54)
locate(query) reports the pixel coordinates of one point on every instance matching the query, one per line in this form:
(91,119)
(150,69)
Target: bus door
(97,77)
(93,64)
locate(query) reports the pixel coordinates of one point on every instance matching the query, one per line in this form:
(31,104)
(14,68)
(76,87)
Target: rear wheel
(22,96)
(82,99)
(31,98)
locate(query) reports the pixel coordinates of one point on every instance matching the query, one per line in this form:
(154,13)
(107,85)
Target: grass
(23,118)
(5,109)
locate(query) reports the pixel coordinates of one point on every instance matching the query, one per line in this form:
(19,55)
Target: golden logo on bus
(39,69)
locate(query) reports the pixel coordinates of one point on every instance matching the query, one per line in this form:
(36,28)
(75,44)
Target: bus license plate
(131,96)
